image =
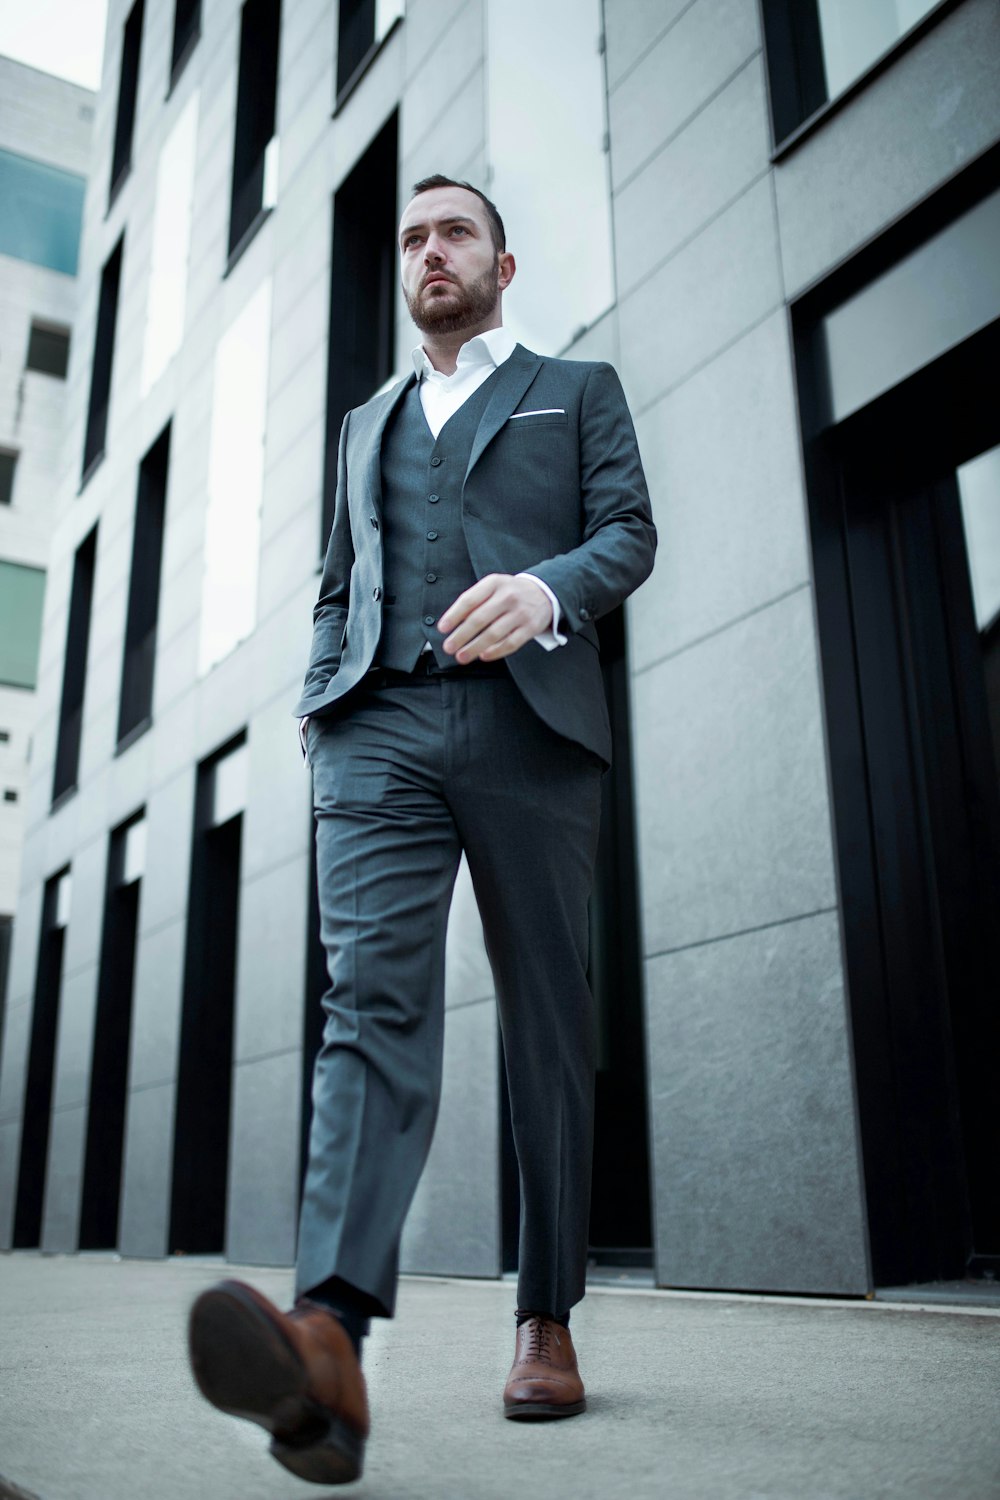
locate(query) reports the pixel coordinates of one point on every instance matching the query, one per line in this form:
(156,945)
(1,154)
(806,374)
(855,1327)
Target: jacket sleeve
(619,538)
(330,613)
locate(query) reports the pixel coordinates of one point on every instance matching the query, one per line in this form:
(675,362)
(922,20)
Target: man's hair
(493,219)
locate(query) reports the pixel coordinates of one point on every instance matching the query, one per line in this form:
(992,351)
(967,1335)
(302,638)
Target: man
(488,510)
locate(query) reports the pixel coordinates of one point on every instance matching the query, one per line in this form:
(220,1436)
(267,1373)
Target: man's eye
(459,229)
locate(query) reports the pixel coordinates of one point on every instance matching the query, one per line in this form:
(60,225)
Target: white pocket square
(545,411)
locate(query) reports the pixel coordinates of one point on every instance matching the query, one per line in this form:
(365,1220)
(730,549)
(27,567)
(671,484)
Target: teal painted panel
(41,209)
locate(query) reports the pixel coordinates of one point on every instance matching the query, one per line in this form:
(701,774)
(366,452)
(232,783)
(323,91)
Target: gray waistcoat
(426,563)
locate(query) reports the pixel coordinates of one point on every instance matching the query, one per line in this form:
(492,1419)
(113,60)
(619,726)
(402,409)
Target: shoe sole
(245,1366)
(532,1411)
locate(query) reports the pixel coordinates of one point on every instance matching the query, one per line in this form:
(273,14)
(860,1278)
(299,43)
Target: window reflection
(42,212)
(548,166)
(979,492)
(235,482)
(171,247)
(856,32)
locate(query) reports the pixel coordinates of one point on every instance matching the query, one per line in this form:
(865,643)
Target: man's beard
(474,304)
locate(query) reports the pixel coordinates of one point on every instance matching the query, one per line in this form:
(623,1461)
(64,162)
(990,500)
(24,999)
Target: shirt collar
(489,348)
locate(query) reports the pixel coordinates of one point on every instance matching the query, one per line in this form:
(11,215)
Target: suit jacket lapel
(372,462)
(512,380)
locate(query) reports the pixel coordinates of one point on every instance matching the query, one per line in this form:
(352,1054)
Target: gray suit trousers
(406,777)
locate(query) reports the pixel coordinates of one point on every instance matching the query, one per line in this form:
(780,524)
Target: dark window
(48,350)
(4,736)
(112,1029)
(6,931)
(362,294)
(362,27)
(9,795)
(818,49)
(41,1064)
(144,589)
(256,103)
(187,29)
(128,88)
(204,1075)
(104,348)
(8,463)
(75,667)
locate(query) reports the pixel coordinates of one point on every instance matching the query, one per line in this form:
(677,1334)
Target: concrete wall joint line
(694,235)
(723,937)
(467,1004)
(257,1057)
(413,146)
(721,629)
(653,42)
(669,139)
(411,70)
(702,364)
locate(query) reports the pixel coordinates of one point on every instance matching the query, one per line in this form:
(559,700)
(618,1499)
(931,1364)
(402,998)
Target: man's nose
(433,253)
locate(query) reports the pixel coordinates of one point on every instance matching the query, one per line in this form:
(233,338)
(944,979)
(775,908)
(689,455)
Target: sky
(65,37)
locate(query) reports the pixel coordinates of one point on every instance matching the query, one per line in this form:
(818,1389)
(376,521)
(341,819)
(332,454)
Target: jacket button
(585,614)
(376,593)
(435,461)
(431,577)
(428,619)
(433,499)
(432,536)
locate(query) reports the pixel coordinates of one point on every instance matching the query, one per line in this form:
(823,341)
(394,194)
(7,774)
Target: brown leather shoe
(296,1374)
(544,1380)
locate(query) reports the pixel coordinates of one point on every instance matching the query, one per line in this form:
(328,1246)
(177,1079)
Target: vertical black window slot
(8,463)
(187,29)
(128,88)
(41,1065)
(362,294)
(104,347)
(355,38)
(112,1029)
(204,1079)
(75,667)
(256,106)
(136,702)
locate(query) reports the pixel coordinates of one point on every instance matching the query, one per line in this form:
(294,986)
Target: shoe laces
(539,1346)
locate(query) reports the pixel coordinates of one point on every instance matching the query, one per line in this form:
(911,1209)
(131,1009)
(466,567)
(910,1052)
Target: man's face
(452,274)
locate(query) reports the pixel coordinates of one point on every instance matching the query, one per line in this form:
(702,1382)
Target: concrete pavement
(691,1397)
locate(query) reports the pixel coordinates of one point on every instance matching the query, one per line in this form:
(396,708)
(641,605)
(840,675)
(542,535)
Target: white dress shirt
(442,395)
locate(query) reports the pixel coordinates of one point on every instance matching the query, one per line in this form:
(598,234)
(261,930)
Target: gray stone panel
(715,288)
(277,823)
(27,931)
(271,962)
(288,560)
(467,969)
(83,936)
(169,821)
(454,1224)
(64,1180)
(677,75)
(74,1042)
(14,1063)
(364,114)
(703,168)
(631,27)
(458,53)
(10,1149)
(146,1178)
(757,1177)
(733,815)
(600,341)
(723,464)
(264,1161)
(936,108)
(156,1009)
(456,135)
(427,23)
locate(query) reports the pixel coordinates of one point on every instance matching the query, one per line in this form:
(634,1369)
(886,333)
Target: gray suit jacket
(560,494)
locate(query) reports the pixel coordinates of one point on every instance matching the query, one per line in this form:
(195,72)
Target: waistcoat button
(428,619)
(431,577)
(432,536)
(433,499)
(435,461)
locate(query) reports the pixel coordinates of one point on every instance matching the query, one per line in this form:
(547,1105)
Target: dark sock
(352,1307)
(523,1314)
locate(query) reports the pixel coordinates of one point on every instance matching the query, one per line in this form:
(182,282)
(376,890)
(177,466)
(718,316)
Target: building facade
(779,223)
(45,134)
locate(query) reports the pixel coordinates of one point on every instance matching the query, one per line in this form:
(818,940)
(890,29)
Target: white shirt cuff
(552,637)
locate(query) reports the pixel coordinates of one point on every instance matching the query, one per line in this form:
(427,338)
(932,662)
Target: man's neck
(442,349)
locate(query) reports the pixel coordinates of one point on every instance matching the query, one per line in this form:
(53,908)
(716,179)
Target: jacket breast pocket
(527,421)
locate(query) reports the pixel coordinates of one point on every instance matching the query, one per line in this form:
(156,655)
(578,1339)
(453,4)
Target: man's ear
(507,269)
